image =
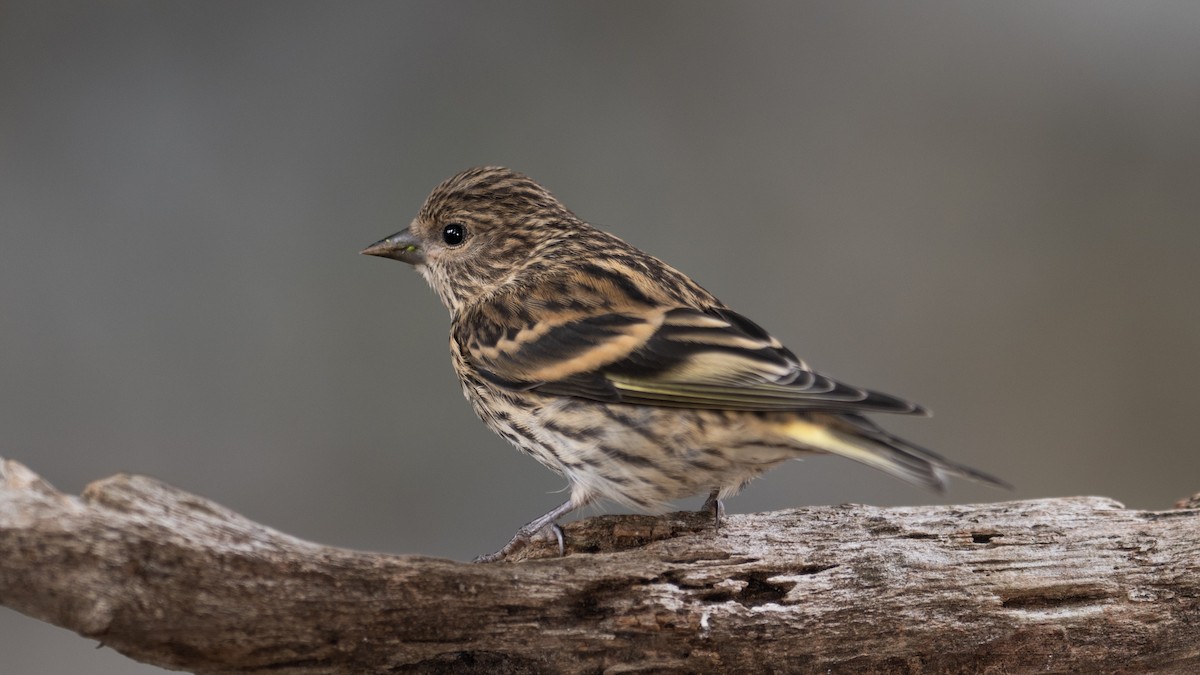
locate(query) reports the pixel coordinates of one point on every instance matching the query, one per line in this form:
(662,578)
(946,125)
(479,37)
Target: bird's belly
(640,456)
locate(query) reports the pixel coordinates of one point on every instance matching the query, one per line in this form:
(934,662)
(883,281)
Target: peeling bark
(1051,585)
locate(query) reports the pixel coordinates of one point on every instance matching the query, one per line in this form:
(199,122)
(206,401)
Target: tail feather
(858,438)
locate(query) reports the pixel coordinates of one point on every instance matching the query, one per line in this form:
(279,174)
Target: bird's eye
(453,234)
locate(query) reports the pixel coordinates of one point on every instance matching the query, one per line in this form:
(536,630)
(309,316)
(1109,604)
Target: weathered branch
(1050,585)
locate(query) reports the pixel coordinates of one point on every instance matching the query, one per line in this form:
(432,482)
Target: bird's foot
(543,526)
(522,539)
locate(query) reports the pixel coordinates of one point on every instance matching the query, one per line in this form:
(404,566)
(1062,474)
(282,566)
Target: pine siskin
(618,371)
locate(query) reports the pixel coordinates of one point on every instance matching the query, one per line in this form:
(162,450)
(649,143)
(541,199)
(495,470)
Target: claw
(558,534)
(713,504)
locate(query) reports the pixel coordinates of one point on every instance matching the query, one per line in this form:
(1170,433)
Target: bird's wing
(680,357)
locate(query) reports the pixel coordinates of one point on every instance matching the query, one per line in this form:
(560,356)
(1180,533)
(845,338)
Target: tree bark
(1051,585)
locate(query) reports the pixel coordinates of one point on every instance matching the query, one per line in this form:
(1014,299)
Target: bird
(618,371)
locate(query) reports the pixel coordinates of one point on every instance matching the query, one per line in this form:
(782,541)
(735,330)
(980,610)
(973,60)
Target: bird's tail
(858,438)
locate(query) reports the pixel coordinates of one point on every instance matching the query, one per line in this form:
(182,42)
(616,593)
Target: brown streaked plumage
(618,371)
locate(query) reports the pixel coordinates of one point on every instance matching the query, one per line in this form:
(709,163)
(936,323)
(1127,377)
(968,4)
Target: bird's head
(476,230)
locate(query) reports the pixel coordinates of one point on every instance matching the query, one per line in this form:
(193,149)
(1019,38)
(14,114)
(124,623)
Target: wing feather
(681,357)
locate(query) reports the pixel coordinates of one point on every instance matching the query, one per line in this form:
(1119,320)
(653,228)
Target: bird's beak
(402,246)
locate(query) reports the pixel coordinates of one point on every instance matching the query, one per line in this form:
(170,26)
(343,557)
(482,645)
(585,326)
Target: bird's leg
(526,533)
(713,504)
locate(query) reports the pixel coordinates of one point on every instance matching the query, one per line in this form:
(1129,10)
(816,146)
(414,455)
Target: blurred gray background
(989,208)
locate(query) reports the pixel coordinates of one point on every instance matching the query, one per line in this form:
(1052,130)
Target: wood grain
(1052,585)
